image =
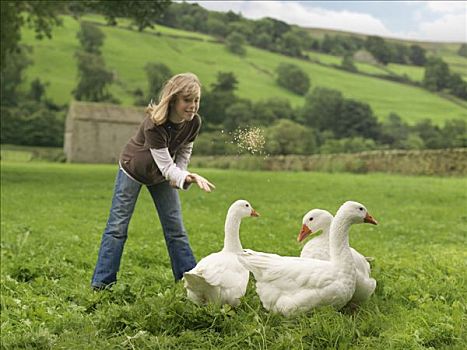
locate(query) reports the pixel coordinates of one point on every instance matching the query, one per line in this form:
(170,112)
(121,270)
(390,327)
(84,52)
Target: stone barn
(97,132)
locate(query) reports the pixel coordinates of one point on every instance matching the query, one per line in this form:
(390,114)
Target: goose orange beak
(254,213)
(304,233)
(370,220)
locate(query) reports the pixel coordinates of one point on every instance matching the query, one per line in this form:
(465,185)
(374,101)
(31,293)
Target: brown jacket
(136,158)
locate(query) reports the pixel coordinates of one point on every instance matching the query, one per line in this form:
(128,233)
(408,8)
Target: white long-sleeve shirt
(173,171)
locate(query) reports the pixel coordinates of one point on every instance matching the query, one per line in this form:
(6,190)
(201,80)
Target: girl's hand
(203,183)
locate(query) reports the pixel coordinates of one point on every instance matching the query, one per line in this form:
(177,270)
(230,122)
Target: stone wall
(444,162)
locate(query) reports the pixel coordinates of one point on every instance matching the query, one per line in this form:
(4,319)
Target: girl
(156,156)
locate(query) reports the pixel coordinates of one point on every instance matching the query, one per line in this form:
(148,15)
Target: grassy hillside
(413,72)
(126,52)
(51,232)
(447,51)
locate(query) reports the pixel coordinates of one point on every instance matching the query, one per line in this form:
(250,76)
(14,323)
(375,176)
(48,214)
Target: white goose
(314,221)
(219,277)
(318,248)
(290,284)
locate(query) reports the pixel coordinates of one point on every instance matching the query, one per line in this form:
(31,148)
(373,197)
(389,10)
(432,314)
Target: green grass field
(126,52)
(52,219)
(336,60)
(413,72)
(457,64)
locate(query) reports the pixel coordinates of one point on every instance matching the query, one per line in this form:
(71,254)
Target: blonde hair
(186,84)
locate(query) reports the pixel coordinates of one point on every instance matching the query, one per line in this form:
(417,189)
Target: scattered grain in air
(250,140)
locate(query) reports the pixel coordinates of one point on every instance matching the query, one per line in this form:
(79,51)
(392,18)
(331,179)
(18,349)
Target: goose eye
(311,219)
(246,205)
(361,209)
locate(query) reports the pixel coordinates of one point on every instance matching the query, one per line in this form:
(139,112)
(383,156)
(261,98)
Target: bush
(239,114)
(235,43)
(158,74)
(293,78)
(214,143)
(348,145)
(90,37)
(32,124)
(322,107)
(436,76)
(93,78)
(347,64)
(288,137)
(265,112)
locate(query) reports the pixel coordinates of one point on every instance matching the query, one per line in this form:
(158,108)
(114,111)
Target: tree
(243,27)
(90,37)
(417,55)
(291,44)
(327,44)
(414,141)
(44,15)
(226,82)
(454,133)
(40,15)
(378,48)
(265,112)
(239,114)
(322,106)
(216,27)
(348,64)
(263,34)
(189,16)
(158,74)
(399,53)
(12,75)
(293,78)
(32,124)
(37,90)
(234,43)
(272,27)
(356,119)
(457,86)
(93,78)
(429,133)
(462,50)
(436,74)
(140,98)
(215,102)
(142,13)
(395,132)
(288,137)
(214,143)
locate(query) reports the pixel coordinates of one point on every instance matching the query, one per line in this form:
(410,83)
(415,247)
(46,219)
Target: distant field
(414,73)
(337,60)
(457,64)
(448,52)
(126,52)
(324,58)
(52,219)
(126,23)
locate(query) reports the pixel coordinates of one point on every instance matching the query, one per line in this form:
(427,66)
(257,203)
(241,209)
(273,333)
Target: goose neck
(232,237)
(339,249)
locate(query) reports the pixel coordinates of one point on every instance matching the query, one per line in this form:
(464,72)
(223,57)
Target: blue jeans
(168,207)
